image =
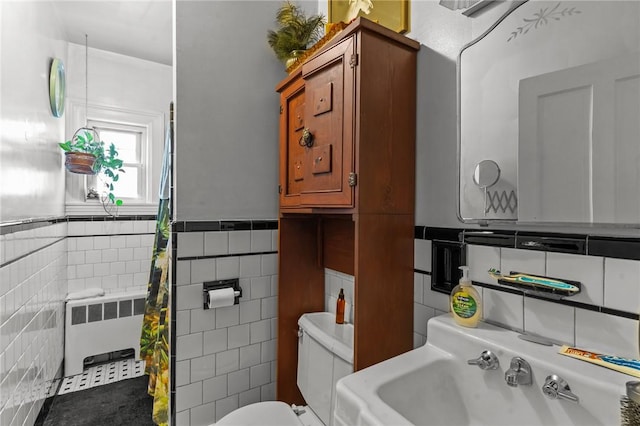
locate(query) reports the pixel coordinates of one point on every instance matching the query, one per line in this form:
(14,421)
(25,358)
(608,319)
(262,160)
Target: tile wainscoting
(32,290)
(40,262)
(114,255)
(223,358)
(602,317)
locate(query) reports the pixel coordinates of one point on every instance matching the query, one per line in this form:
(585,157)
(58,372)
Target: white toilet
(325,355)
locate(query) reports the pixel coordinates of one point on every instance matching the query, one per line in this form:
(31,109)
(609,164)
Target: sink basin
(434,385)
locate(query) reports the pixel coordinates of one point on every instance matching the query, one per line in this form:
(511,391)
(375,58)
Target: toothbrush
(542,283)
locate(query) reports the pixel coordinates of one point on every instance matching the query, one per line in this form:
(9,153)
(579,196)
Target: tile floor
(102,374)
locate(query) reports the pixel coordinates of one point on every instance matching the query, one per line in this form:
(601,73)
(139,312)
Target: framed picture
(393,14)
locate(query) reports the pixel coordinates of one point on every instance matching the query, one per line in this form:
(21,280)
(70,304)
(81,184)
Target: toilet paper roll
(221,297)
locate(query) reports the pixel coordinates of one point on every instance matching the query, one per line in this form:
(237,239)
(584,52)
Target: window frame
(153,122)
(142,150)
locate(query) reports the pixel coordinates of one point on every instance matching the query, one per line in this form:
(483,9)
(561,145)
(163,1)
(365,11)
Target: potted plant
(296,32)
(85,154)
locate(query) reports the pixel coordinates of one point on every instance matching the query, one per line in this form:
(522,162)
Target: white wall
(226,111)
(32,263)
(31,173)
(441,33)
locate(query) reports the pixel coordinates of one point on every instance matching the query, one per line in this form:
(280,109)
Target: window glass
(130,143)
(127,143)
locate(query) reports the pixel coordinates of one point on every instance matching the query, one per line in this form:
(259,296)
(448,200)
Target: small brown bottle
(340,308)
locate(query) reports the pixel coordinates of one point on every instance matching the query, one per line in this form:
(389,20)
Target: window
(131,142)
(139,137)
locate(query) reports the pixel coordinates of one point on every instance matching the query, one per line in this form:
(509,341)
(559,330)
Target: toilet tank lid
(337,338)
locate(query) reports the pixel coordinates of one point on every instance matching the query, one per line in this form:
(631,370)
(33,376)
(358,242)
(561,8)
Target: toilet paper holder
(220,284)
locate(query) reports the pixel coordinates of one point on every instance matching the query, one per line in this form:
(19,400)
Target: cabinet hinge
(353,62)
(281,109)
(279,189)
(353,179)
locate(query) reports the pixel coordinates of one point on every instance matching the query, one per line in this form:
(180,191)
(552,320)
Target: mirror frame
(515,5)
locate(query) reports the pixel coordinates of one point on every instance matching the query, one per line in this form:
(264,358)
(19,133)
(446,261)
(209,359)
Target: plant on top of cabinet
(295,34)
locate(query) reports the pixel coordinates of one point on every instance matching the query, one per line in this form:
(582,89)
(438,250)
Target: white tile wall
(99,256)
(422,255)
(618,339)
(529,261)
(33,284)
(608,282)
(503,308)
(230,350)
(334,281)
(551,320)
(589,270)
(243,340)
(622,284)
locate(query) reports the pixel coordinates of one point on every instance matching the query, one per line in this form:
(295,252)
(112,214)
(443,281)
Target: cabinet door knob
(306,139)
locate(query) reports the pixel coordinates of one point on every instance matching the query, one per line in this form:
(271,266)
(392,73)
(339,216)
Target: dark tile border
(442,234)
(491,238)
(580,244)
(218,256)
(28,224)
(559,243)
(621,248)
(110,218)
(225,225)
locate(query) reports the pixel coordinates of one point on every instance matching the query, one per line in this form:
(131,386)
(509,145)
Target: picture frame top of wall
(391,14)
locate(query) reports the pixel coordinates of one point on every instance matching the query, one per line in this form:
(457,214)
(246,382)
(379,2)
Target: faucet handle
(486,361)
(555,387)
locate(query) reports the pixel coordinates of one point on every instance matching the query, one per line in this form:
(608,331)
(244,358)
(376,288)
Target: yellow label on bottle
(463,304)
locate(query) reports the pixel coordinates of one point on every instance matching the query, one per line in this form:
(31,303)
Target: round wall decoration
(57,87)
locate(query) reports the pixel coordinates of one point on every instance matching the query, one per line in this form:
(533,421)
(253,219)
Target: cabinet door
(329,118)
(292,161)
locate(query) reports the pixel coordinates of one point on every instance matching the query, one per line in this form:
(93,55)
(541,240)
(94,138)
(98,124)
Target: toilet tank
(325,355)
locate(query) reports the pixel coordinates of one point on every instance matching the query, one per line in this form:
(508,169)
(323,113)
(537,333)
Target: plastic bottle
(466,303)
(340,308)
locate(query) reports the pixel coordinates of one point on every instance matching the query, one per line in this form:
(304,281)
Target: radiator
(100,325)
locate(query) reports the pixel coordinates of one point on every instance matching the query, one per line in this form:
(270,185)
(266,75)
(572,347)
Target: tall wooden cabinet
(347,191)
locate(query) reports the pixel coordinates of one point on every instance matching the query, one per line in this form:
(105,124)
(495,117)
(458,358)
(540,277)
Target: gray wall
(226,111)
(31,172)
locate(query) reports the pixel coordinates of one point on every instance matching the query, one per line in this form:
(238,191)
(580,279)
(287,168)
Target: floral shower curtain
(154,341)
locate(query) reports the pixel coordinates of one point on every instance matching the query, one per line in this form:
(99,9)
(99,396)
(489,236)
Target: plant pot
(80,162)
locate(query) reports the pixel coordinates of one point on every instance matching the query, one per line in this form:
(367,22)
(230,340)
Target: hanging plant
(85,154)
(296,32)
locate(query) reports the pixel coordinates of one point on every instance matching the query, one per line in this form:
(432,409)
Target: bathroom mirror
(551,95)
(486,174)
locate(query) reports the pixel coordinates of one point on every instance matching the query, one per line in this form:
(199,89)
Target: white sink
(434,385)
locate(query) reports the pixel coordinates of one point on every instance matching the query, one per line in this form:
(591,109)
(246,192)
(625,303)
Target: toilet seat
(267,413)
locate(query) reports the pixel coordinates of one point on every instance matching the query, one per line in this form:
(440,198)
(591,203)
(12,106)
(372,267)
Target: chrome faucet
(486,361)
(555,387)
(519,373)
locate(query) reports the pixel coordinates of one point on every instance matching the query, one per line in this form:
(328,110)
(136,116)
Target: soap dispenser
(466,303)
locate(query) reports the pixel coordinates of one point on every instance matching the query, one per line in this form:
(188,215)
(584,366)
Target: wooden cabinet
(317,121)
(347,191)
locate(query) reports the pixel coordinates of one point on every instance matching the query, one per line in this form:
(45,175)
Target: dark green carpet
(122,403)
